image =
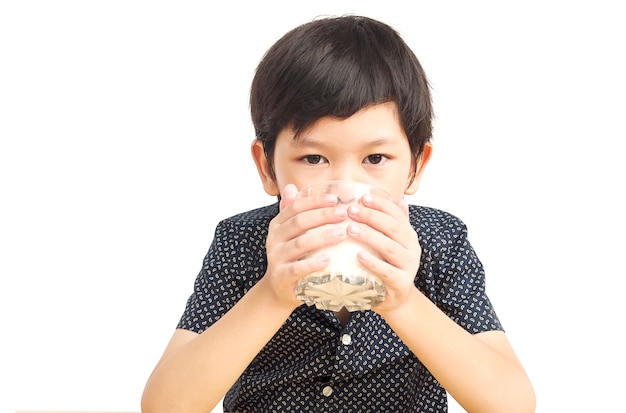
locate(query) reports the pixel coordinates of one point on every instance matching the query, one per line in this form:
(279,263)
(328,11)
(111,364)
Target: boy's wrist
(271,298)
(404,309)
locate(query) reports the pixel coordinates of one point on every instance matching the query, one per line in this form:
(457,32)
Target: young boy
(339,98)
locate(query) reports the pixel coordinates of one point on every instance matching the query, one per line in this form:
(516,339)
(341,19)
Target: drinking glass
(344,282)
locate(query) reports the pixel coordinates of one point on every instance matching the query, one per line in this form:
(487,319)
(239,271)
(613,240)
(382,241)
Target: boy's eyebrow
(306,140)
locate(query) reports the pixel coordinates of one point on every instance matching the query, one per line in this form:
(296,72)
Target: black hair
(336,66)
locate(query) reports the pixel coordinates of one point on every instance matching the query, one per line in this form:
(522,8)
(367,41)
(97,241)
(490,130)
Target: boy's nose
(348,191)
(345,174)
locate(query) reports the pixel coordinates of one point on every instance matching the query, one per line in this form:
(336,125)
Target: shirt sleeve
(452,275)
(234,263)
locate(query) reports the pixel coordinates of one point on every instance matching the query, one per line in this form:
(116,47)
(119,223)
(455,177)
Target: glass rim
(355,188)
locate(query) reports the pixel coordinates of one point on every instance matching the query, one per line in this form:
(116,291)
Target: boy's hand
(297,230)
(384,226)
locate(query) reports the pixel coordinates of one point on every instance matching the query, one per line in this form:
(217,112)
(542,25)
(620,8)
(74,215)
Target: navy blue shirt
(314,363)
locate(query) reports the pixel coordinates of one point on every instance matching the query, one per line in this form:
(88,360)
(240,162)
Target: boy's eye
(375,159)
(314,159)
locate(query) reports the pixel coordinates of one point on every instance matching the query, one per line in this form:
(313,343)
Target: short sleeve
(234,263)
(451,273)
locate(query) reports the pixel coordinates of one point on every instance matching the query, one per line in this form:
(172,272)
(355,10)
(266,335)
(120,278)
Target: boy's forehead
(374,120)
(389,108)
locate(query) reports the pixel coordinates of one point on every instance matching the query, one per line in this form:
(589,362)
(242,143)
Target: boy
(339,98)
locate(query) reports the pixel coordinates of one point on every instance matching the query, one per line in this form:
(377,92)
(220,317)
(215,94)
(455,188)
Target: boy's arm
(196,370)
(480,371)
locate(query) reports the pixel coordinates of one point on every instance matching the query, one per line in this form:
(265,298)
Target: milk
(343,283)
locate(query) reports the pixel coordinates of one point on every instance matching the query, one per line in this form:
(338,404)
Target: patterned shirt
(314,363)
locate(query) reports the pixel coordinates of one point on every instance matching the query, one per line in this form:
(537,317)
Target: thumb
(404,206)
(288,195)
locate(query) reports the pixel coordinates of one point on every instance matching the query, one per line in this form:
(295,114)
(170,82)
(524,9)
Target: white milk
(344,282)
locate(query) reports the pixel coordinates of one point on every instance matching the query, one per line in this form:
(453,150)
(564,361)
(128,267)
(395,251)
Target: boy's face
(369,147)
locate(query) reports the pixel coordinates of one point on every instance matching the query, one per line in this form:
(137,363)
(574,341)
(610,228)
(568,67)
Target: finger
(298,218)
(288,195)
(313,240)
(404,206)
(292,205)
(384,270)
(397,281)
(304,267)
(388,219)
(400,251)
(397,209)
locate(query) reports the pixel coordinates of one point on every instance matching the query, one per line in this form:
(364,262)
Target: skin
(480,371)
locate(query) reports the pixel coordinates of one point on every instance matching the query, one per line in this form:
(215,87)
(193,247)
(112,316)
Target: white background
(125,137)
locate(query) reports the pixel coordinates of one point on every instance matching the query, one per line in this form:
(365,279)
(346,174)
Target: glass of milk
(344,282)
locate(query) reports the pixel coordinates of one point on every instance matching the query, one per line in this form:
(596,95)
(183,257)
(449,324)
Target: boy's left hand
(385,227)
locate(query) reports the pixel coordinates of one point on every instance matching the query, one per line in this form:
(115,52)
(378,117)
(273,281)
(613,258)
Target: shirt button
(346,340)
(327,391)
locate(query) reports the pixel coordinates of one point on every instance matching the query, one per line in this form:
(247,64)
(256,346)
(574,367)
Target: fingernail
(339,232)
(341,212)
(364,256)
(323,258)
(354,229)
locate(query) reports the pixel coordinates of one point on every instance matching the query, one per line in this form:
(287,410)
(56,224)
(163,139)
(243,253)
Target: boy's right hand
(297,230)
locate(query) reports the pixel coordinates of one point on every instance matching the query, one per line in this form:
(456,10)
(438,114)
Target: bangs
(347,75)
(336,67)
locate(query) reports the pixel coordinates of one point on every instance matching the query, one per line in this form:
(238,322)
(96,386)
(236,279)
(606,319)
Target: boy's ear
(263,168)
(418,168)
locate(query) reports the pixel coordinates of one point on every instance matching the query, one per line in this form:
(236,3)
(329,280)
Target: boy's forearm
(198,375)
(479,372)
